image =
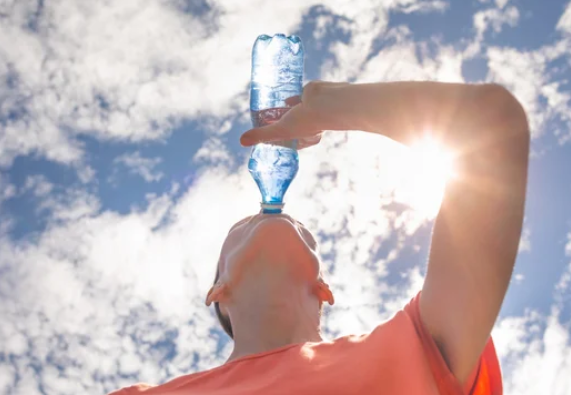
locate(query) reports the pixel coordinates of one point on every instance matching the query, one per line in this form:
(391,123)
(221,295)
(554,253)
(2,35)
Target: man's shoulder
(138,388)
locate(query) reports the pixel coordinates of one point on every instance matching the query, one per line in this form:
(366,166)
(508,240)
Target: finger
(263,134)
(283,129)
(309,141)
(296,123)
(293,101)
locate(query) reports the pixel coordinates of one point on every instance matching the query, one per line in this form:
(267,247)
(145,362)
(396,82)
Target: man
(269,291)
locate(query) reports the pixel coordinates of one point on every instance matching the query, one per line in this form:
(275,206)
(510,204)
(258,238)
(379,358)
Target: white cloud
(563,287)
(564,23)
(424,6)
(513,336)
(37,184)
(536,354)
(213,152)
(525,74)
(144,167)
(558,105)
(7,190)
(501,3)
(71,204)
(85,173)
(401,62)
(535,349)
(518,278)
(91,277)
(495,18)
(525,242)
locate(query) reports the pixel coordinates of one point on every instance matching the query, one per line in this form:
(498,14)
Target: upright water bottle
(277,72)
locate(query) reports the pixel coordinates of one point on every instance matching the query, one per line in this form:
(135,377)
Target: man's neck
(263,326)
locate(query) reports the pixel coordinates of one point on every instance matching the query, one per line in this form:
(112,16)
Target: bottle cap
(275,208)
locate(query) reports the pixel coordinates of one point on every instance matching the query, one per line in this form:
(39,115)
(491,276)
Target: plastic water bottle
(277,73)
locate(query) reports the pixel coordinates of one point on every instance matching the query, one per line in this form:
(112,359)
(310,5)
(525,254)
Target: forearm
(406,111)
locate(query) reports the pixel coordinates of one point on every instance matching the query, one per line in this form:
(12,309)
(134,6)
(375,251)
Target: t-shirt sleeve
(485,379)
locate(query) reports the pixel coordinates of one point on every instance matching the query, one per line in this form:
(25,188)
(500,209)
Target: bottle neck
(272,208)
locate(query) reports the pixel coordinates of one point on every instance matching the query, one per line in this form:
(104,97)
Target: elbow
(508,109)
(507,123)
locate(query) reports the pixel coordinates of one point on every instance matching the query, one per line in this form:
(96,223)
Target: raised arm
(477,231)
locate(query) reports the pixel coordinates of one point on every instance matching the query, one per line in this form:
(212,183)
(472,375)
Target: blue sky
(121,172)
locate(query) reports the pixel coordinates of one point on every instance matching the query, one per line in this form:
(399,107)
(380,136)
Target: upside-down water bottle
(277,73)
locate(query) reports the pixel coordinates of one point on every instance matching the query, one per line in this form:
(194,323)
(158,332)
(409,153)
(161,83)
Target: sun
(428,167)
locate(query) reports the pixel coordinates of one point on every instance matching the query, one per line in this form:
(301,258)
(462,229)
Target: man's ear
(217,293)
(323,293)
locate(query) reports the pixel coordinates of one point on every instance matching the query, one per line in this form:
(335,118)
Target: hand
(286,128)
(305,121)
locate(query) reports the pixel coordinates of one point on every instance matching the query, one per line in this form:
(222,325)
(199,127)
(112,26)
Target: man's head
(265,259)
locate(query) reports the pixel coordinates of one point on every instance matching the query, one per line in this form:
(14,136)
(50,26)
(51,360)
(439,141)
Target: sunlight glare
(428,167)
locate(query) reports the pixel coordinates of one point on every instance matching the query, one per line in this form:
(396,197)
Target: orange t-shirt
(398,357)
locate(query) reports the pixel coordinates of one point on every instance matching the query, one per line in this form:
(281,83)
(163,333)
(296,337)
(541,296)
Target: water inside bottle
(273,166)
